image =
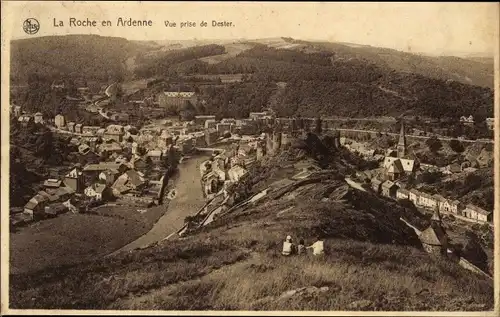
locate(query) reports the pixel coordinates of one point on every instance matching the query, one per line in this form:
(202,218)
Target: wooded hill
(321,78)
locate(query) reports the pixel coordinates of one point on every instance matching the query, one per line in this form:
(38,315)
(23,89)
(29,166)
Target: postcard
(256,158)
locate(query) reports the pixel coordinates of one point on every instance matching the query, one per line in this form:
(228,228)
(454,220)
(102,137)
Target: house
(427,201)
(186,146)
(210,183)
(376,185)
(156,156)
(84,149)
(474,212)
(165,139)
(139,163)
(64,193)
(120,117)
(16,111)
(211,136)
(467,120)
(24,120)
(131,180)
(101,132)
(78,128)
(109,148)
(100,192)
(94,170)
(440,201)
(258,115)
(434,239)
(36,205)
(114,132)
(75,141)
(56,209)
(201,120)
(249,162)
(176,99)
(395,170)
(389,189)
(408,166)
(413,195)
(52,183)
(38,117)
(136,179)
(59,121)
(210,124)
(236,173)
(228,120)
(108,176)
(223,127)
(490,123)
(121,159)
(90,129)
(49,195)
(20,219)
(74,179)
(71,127)
(449,206)
(402,194)
(454,168)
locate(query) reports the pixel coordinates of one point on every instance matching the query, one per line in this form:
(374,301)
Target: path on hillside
(414,136)
(188,200)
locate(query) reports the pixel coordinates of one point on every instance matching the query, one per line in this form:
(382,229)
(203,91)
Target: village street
(187,201)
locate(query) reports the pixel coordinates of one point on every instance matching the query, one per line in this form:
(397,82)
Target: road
(414,136)
(188,200)
(354,184)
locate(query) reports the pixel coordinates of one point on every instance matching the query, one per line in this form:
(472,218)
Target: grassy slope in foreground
(235,264)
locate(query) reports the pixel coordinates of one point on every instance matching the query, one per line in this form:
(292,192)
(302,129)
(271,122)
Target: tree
(456,146)
(474,252)
(431,177)
(149,167)
(187,112)
(434,144)
(318,129)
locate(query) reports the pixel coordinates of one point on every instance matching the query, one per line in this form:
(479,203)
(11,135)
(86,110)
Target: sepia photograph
(249,158)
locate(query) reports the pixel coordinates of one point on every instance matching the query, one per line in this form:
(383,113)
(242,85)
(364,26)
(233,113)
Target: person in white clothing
(288,246)
(318,247)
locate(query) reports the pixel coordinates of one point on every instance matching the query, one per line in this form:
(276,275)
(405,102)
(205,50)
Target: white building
(59,121)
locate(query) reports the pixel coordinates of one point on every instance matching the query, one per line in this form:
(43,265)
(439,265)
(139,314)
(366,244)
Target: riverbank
(187,201)
(74,238)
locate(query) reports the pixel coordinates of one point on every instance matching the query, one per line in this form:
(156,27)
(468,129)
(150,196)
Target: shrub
(456,146)
(434,144)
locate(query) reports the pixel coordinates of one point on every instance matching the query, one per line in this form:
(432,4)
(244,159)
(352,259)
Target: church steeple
(402,142)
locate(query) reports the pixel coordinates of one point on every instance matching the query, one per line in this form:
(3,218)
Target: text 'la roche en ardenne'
(121,22)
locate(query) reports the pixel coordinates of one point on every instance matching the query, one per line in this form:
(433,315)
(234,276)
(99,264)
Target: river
(188,200)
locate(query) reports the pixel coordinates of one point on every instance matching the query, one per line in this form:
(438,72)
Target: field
(237,266)
(130,87)
(73,238)
(231,51)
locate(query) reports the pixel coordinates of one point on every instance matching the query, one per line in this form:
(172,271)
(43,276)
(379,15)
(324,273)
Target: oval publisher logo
(31,26)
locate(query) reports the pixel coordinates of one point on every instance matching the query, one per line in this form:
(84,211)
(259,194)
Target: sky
(432,28)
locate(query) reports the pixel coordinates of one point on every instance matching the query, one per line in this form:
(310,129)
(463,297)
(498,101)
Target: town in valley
(203,157)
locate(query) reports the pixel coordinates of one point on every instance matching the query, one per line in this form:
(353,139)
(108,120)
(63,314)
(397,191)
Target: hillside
(78,56)
(353,87)
(475,71)
(322,78)
(373,260)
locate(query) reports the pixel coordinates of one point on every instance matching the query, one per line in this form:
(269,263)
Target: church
(397,167)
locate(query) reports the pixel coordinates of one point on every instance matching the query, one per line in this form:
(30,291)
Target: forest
(328,79)
(71,56)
